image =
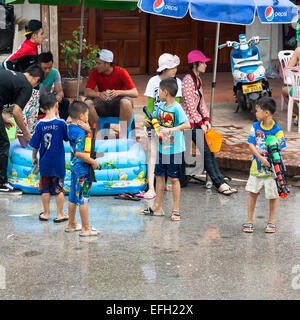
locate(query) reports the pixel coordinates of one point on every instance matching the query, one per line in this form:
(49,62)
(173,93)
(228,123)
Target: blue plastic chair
(104,125)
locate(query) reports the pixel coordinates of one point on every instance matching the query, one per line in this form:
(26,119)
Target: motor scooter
(249,76)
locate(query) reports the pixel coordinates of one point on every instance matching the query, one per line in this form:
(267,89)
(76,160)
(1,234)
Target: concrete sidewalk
(235,127)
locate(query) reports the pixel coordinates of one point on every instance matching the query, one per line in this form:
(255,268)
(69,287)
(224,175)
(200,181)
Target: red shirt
(119,79)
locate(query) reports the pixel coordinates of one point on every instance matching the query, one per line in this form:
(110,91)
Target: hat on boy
(32,26)
(167,61)
(106,55)
(197,55)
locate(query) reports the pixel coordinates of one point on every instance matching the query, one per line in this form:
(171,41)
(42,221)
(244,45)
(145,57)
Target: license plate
(255,87)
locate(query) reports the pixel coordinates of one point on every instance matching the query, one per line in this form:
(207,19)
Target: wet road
(204,256)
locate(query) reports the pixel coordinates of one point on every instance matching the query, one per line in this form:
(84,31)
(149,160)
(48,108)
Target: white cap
(167,61)
(106,55)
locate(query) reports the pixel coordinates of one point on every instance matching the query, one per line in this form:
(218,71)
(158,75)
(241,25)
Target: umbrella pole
(80,48)
(213,85)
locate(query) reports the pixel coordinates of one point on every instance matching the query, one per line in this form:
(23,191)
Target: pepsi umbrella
(106,4)
(224,11)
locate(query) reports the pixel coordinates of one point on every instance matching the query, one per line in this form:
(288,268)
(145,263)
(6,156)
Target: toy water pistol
(154,122)
(89,149)
(277,166)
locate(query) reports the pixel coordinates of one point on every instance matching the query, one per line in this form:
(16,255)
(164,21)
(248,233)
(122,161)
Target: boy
(48,138)
(173,121)
(79,163)
(259,175)
(27,54)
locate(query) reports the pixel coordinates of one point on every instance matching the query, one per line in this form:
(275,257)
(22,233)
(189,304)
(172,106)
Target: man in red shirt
(115,91)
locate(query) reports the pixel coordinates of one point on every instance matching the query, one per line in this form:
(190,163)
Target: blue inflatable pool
(123,168)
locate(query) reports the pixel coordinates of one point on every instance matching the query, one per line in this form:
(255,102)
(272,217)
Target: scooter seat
(248,63)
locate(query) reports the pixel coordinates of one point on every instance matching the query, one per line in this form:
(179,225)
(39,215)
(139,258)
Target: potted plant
(69,56)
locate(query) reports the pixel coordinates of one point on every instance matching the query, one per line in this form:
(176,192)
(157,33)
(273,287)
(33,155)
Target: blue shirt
(77,140)
(170,117)
(48,139)
(258,136)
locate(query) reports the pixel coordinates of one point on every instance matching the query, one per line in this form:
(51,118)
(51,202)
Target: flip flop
(175,216)
(140,194)
(91,233)
(77,228)
(127,196)
(149,212)
(248,227)
(65,218)
(41,218)
(149,195)
(270,228)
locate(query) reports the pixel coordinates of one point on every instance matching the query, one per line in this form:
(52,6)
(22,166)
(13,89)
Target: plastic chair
(104,125)
(294,75)
(284,57)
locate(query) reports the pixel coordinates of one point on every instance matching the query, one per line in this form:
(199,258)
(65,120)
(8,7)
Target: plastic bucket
(214,140)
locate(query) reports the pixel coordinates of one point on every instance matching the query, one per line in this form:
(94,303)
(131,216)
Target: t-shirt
(170,117)
(152,90)
(24,57)
(77,140)
(119,79)
(48,139)
(48,85)
(258,136)
(14,88)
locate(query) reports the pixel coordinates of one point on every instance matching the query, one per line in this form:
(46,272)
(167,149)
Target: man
(52,83)
(27,54)
(286,90)
(16,89)
(115,90)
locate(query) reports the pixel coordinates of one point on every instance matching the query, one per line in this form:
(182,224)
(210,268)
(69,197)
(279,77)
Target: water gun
(154,122)
(277,166)
(89,149)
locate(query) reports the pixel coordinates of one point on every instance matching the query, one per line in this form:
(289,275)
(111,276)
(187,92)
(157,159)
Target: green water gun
(277,165)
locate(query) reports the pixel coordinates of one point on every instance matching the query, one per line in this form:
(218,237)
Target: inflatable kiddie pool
(123,169)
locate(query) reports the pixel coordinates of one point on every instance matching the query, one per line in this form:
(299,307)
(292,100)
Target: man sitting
(115,90)
(52,83)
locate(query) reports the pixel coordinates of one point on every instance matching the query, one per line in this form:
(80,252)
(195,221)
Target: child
(259,175)
(173,121)
(167,68)
(27,54)
(48,139)
(80,164)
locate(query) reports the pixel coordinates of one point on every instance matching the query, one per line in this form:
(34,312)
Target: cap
(32,26)
(106,55)
(197,55)
(167,61)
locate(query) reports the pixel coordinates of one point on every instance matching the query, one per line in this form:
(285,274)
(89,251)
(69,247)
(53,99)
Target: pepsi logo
(269,13)
(158,6)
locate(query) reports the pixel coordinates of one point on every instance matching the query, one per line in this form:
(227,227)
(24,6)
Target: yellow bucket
(214,140)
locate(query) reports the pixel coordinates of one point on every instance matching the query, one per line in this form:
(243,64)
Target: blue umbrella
(224,11)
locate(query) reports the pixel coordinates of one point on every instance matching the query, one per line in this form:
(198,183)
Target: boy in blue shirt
(259,175)
(79,165)
(173,121)
(48,139)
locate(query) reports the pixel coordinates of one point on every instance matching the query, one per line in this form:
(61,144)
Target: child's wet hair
(76,108)
(169,84)
(47,101)
(267,104)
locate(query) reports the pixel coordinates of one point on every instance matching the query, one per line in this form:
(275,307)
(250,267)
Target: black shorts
(169,165)
(109,108)
(52,185)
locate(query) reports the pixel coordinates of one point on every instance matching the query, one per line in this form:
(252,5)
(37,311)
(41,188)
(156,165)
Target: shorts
(52,185)
(109,108)
(79,189)
(255,184)
(169,165)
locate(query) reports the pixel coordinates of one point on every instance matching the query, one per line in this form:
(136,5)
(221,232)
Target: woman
(167,68)
(194,105)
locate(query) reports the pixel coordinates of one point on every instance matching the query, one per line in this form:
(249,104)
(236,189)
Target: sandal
(228,189)
(77,228)
(41,218)
(140,194)
(248,227)
(149,212)
(64,218)
(127,196)
(93,232)
(270,228)
(175,216)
